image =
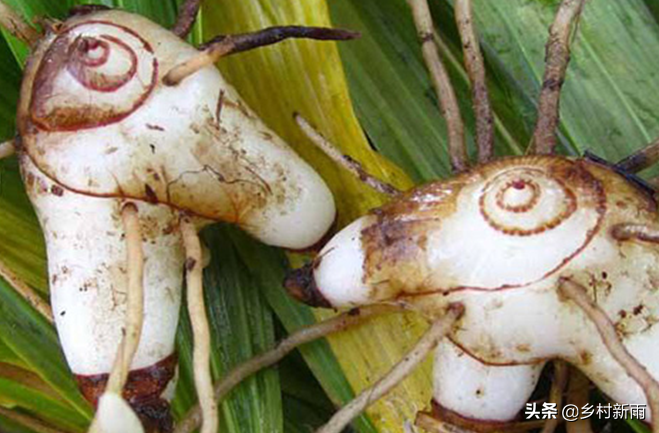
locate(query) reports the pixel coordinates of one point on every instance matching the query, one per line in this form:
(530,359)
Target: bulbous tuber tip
(301,285)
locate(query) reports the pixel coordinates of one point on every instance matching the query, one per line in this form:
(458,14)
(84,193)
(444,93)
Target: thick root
(442,83)
(187,15)
(200,327)
(557,59)
(473,60)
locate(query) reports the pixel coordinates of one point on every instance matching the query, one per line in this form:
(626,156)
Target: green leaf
(34,341)
(47,407)
(609,98)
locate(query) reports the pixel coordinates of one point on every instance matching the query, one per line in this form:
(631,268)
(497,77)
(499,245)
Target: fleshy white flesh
(499,239)
(87,271)
(170,147)
(116,416)
(99,128)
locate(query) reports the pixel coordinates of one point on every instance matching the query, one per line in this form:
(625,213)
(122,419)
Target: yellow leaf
(307,77)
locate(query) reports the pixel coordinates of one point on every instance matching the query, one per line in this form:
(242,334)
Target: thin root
(134,308)
(305,335)
(473,60)
(200,327)
(578,395)
(27,421)
(431,424)
(17,26)
(344,160)
(556,61)
(561,374)
(641,159)
(223,46)
(578,294)
(27,292)
(7,149)
(187,15)
(641,232)
(442,83)
(400,371)
(135,303)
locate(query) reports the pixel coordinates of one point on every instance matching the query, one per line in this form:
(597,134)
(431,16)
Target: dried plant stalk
(579,395)
(16,25)
(27,292)
(344,161)
(223,46)
(641,159)
(561,374)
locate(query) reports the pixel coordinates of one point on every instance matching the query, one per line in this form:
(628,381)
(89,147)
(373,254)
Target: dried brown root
(641,159)
(33,424)
(27,292)
(430,423)
(578,294)
(344,161)
(561,374)
(200,328)
(187,15)
(17,26)
(578,395)
(641,232)
(400,371)
(7,149)
(135,303)
(222,46)
(473,60)
(445,93)
(557,57)
(303,336)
